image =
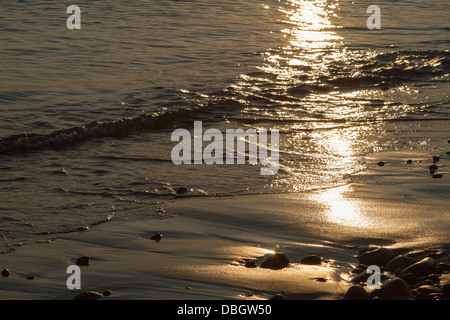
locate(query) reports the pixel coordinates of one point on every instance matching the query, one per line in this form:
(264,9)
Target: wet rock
(433,167)
(88,295)
(409,278)
(380,257)
(444,266)
(276,261)
(181,190)
(311,260)
(157,237)
(427,289)
(394,289)
(400,262)
(107,293)
(445,290)
(361,278)
(83,261)
(6,272)
(374,294)
(356,293)
(424,283)
(421,268)
(422,296)
(381,164)
(359,269)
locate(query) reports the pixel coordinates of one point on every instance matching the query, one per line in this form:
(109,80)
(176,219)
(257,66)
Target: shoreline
(213,249)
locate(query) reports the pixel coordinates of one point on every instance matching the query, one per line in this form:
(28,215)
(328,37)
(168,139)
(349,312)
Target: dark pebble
(31,277)
(437,176)
(433,167)
(311,260)
(445,290)
(423,296)
(409,278)
(88,295)
(435,158)
(156,237)
(409,161)
(250,264)
(381,164)
(277,297)
(394,289)
(6,272)
(181,190)
(448,152)
(427,289)
(356,293)
(421,268)
(380,257)
(107,293)
(276,261)
(83,261)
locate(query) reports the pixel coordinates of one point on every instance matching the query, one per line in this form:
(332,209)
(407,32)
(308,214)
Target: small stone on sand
(157,237)
(311,260)
(381,164)
(181,190)
(276,261)
(107,293)
(88,295)
(6,272)
(83,261)
(437,176)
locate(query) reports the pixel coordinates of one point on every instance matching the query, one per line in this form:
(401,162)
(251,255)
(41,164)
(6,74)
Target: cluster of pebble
(405,274)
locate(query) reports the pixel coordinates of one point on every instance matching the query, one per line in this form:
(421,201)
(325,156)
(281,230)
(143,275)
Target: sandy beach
(204,251)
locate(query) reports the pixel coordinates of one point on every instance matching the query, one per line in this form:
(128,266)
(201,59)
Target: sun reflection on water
(341,210)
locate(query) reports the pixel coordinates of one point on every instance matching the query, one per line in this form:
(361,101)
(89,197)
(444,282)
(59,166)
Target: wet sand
(206,244)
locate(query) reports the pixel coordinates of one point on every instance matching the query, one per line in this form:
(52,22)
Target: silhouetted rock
(437,176)
(83,261)
(446,289)
(400,262)
(88,295)
(380,257)
(381,164)
(107,293)
(181,190)
(420,268)
(276,261)
(395,288)
(311,260)
(6,272)
(157,237)
(356,293)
